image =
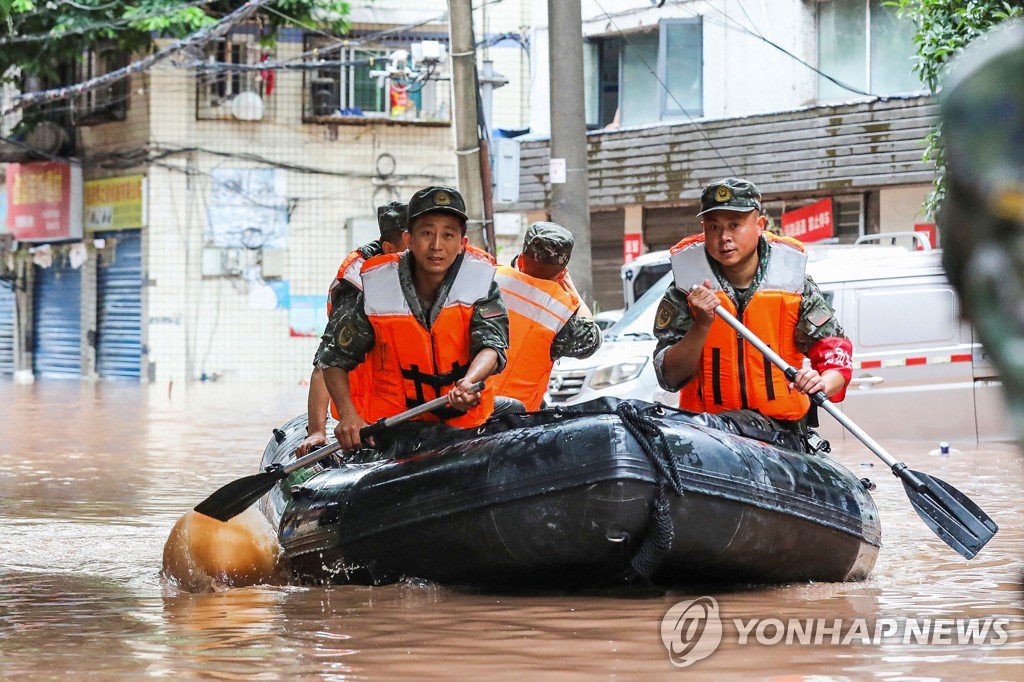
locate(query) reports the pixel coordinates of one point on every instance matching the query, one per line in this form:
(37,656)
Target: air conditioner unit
(324,96)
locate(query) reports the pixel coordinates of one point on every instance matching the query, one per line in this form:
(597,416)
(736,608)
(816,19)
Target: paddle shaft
(369,431)
(820,399)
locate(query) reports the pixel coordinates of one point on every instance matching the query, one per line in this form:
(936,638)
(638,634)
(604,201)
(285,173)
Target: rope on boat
(658,541)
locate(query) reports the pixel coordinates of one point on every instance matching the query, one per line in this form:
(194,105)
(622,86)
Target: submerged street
(93,476)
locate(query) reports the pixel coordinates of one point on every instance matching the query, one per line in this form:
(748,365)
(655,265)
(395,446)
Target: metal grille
(58,342)
(119,287)
(6,327)
(565,384)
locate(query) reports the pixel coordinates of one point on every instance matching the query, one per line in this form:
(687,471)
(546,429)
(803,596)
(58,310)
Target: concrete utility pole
(570,204)
(466,116)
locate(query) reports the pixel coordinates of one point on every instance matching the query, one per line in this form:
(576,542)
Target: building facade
(217,195)
(814,100)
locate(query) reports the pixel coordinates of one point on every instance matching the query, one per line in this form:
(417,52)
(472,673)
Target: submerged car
(919,371)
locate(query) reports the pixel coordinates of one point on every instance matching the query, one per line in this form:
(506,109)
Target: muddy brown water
(93,476)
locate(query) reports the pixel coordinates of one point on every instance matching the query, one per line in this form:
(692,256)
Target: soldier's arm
(347,338)
(821,338)
(680,340)
(579,338)
(488,328)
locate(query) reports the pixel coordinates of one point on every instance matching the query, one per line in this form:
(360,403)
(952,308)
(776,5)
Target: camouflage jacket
(349,336)
(579,338)
(817,319)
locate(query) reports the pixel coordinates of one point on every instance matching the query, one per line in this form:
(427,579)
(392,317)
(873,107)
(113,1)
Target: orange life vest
(537,311)
(359,378)
(410,364)
(732,374)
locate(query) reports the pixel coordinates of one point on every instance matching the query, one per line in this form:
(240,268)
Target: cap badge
(723,194)
(442,199)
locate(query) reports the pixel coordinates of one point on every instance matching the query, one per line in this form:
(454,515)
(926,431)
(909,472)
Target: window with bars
(106,103)
(229,74)
(350,86)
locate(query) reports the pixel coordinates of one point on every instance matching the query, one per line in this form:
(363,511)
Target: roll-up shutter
(664,227)
(607,232)
(119,303)
(57,317)
(6,327)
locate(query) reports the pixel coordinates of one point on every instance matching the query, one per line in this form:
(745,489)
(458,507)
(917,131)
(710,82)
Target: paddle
(950,514)
(233,498)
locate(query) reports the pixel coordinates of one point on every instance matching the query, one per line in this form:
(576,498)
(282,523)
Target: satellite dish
(247,106)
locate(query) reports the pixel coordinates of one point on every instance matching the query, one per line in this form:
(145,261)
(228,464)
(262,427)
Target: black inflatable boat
(601,493)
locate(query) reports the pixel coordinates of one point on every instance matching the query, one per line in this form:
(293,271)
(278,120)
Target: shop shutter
(607,232)
(119,307)
(7,317)
(57,319)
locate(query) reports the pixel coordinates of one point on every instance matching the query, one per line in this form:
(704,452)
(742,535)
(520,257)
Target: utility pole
(466,116)
(570,203)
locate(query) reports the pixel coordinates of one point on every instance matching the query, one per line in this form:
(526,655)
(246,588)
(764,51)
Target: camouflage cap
(548,243)
(393,216)
(442,199)
(730,194)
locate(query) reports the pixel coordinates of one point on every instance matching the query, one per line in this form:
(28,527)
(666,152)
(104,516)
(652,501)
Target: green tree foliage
(944,29)
(40,36)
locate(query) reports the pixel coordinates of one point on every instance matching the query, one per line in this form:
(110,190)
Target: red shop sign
(810,223)
(44,201)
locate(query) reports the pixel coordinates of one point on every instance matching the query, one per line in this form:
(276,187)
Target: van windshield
(638,321)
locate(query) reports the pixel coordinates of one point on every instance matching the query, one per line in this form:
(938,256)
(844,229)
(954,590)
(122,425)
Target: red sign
(632,246)
(810,223)
(44,201)
(930,233)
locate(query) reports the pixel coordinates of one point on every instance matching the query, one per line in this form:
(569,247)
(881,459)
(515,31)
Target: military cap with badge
(730,194)
(437,199)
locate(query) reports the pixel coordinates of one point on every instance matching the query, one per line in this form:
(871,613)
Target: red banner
(811,223)
(632,246)
(44,201)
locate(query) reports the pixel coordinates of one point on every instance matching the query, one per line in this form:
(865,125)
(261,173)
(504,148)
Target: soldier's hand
(703,302)
(463,396)
(347,432)
(808,381)
(310,443)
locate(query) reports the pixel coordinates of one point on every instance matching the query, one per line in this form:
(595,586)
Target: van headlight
(611,375)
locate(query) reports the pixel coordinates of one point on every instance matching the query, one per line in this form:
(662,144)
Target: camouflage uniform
(817,319)
(550,243)
(349,335)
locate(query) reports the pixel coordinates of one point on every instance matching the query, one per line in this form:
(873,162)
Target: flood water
(92,477)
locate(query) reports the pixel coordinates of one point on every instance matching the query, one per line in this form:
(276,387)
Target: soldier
(391,219)
(759,277)
(429,322)
(547,317)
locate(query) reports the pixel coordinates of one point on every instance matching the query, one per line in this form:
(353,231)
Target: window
(350,85)
(629,73)
(863,44)
(103,104)
(220,85)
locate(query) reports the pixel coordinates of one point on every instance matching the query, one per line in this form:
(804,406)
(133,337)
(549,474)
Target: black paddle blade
(951,515)
(234,498)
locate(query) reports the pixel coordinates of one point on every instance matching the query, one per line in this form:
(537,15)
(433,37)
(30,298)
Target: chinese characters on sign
(114,204)
(811,223)
(632,247)
(44,201)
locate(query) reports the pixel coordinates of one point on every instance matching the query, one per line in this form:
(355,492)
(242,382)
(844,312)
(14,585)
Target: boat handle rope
(661,531)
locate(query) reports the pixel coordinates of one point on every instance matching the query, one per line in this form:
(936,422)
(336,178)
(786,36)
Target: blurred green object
(982,217)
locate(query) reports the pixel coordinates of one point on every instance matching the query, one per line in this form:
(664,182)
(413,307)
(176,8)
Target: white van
(918,371)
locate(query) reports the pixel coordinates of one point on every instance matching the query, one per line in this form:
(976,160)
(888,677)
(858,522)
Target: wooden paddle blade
(951,515)
(234,498)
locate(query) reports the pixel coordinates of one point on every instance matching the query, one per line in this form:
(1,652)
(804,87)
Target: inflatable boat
(600,494)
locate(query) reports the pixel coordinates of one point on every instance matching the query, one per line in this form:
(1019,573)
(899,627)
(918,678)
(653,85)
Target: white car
(918,371)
